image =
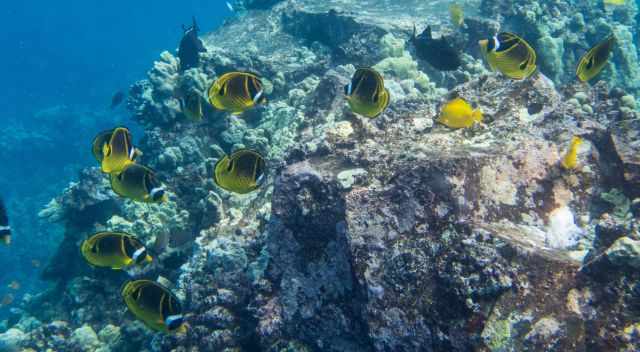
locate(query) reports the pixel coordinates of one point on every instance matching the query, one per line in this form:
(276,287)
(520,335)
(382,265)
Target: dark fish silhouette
(5,230)
(437,52)
(117,99)
(190,47)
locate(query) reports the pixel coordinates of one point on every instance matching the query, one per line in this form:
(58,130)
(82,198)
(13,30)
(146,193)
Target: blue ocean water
(61,64)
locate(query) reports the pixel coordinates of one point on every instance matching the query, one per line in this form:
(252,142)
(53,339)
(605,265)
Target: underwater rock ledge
(387,234)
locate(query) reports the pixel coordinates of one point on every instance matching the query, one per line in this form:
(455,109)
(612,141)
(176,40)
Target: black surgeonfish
(190,47)
(509,54)
(115,250)
(5,229)
(114,149)
(237,92)
(117,99)
(241,172)
(138,183)
(595,59)
(437,52)
(155,305)
(366,93)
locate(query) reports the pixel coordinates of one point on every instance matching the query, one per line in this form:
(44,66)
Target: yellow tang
(570,160)
(457,14)
(242,172)
(459,114)
(366,93)
(114,150)
(509,54)
(237,92)
(138,183)
(191,106)
(594,60)
(155,305)
(115,250)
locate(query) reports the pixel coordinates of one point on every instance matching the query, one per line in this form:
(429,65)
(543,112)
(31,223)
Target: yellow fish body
(115,250)
(237,92)
(366,93)
(138,183)
(614,2)
(509,54)
(570,160)
(155,305)
(241,172)
(459,114)
(594,60)
(457,14)
(114,150)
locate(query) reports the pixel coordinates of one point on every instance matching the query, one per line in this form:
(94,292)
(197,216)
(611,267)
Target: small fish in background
(14,285)
(115,250)
(117,99)
(459,114)
(241,172)
(509,54)
(594,60)
(5,229)
(114,149)
(570,160)
(230,7)
(35,263)
(138,183)
(237,92)
(7,299)
(457,14)
(366,94)
(191,106)
(155,305)
(439,53)
(190,47)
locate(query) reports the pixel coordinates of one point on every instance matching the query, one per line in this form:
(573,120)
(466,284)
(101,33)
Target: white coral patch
(562,231)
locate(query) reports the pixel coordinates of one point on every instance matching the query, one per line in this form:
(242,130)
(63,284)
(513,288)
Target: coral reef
(387,234)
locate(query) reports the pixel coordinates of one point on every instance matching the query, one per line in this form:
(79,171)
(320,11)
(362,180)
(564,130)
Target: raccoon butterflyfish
(241,172)
(117,98)
(190,47)
(459,114)
(115,250)
(14,285)
(595,59)
(138,183)
(509,54)
(191,106)
(5,229)
(237,92)
(114,150)
(155,305)
(570,160)
(437,52)
(457,14)
(614,2)
(366,93)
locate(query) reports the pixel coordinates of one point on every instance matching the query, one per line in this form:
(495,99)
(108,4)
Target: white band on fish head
(173,320)
(155,191)
(496,43)
(349,88)
(5,228)
(138,253)
(257,97)
(132,153)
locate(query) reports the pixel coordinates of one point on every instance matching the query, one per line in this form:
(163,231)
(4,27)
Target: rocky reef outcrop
(387,234)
